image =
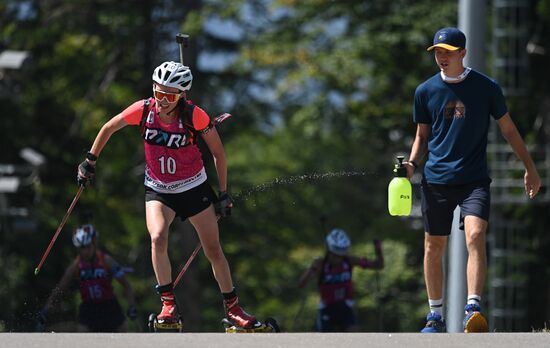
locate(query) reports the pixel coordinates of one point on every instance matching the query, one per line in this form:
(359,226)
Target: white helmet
(338,242)
(173,74)
(84,235)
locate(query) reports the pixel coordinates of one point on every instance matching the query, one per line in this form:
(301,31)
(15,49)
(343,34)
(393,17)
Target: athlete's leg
(82,328)
(206,225)
(123,327)
(348,320)
(475,229)
(159,217)
(434,248)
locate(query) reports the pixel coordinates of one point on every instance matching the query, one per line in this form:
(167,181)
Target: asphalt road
(267,340)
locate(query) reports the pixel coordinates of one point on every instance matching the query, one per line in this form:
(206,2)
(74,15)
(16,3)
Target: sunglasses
(170,97)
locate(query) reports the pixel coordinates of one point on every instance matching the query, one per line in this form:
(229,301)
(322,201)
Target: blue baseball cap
(450,39)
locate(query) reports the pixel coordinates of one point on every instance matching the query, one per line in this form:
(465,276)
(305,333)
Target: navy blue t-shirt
(459,116)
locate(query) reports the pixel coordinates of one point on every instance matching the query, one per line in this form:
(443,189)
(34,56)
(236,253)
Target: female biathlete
(94,271)
(176,182)
(334,273)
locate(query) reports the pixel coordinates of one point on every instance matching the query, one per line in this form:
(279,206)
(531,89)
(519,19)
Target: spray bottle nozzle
(400,170)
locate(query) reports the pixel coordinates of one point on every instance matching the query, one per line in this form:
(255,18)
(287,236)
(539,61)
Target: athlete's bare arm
(119,276)
(313,270)
(114,124)
(420,146)
(214,143)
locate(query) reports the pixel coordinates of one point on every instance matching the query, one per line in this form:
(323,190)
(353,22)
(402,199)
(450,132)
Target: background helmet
(338,242)
(84,235)
(173,74)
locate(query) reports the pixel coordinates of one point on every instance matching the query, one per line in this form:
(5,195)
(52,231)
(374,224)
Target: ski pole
(217,120)
(183,41)
(49,248)
(191,258)
(299,312)
(180,275)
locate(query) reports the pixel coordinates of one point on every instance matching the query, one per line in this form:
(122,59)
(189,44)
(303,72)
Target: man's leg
(475,229)
(438,204)
(434,248)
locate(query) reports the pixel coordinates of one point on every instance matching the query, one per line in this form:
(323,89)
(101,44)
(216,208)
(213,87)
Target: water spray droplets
(296,179)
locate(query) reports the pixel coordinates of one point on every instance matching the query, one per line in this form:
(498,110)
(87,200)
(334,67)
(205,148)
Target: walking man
(452,111)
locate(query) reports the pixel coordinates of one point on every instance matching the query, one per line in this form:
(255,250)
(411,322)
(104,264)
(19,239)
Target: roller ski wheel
(272,323)
(269,325)
(155,326)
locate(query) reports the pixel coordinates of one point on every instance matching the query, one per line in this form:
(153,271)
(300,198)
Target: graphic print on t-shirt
(455,109)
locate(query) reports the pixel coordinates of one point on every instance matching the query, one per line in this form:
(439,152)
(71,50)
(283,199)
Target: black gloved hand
(132,312)
(224,204)
(86,172)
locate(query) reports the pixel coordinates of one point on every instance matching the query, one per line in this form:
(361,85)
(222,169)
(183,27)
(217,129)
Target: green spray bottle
(400,191)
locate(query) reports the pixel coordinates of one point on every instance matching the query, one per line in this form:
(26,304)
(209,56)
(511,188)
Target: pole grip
(183,42)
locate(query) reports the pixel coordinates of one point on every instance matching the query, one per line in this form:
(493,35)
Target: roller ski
(269,325)
(168,320)
(238,321)
(163,326)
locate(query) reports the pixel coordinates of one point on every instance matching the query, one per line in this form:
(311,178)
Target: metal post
(456,281)
(471,20)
